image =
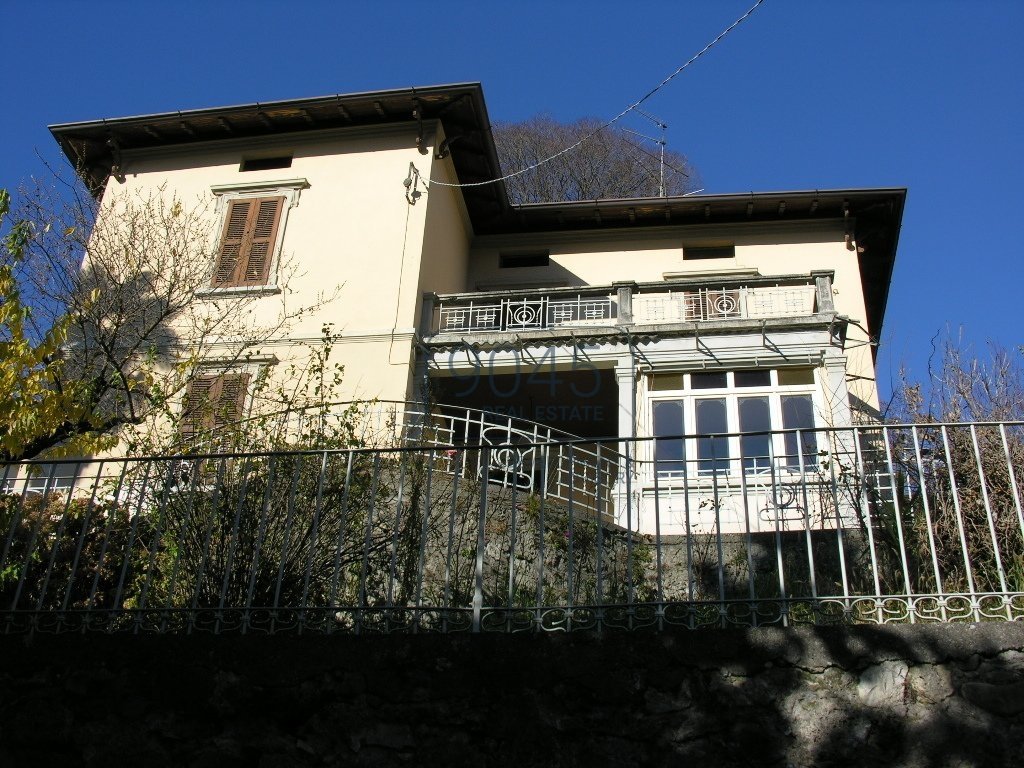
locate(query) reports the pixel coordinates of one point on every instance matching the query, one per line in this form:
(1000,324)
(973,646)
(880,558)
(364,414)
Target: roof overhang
(93,147)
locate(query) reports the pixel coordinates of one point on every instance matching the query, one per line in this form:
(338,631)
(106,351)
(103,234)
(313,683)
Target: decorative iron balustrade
(649,303)
(523,314)
(450,428)
(883,524)
(706,304)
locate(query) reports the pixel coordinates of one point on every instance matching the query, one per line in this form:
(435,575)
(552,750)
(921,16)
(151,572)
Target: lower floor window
(213,404)
(725,421)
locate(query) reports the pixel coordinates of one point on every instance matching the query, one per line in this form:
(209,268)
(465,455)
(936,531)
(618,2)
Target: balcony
(669,302)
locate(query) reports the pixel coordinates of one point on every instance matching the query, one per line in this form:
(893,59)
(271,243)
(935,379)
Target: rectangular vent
(517,260)
(709,252)
(265,163)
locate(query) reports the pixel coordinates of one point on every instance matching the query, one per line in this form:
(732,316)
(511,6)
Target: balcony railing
(666,302)
(558,472)
(527,313)
(886,524)
(740,303)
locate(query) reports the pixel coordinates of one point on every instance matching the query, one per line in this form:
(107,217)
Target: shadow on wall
(901,696)
(520,269)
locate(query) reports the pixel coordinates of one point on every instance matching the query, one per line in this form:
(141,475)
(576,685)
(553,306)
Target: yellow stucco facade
(376,235)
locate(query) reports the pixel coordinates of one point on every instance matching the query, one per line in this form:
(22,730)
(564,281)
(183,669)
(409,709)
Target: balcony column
(626,485)
(836,391)
(427,314)
(625,378)
(624,291)
(823,290)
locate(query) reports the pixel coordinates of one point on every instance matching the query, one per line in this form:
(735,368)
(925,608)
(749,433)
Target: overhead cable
(615,119)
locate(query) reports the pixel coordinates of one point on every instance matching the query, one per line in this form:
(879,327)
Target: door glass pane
(755,417)
(798,413)
(668,421)
(712,452)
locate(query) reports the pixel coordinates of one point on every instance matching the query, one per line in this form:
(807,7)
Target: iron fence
(883,524)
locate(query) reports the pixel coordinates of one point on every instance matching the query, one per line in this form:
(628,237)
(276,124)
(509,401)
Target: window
(247,243)
(718,422)
(254,215)
(212,404)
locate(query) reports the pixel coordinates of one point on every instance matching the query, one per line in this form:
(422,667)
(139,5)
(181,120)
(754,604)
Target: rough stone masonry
(933,695)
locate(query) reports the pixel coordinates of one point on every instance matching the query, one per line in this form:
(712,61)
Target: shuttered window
(247,245)
(213,403)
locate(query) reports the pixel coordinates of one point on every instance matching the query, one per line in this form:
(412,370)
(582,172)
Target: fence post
(478,581)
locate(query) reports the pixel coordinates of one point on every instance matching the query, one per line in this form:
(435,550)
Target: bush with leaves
(71,555)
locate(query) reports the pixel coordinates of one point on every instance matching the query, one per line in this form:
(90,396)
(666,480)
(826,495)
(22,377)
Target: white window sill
(237,290)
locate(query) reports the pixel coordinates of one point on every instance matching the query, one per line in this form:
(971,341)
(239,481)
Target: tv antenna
(662,126)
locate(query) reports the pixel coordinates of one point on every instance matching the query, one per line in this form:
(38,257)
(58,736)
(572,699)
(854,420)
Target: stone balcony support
(823,290)
(624,291)
(427,313)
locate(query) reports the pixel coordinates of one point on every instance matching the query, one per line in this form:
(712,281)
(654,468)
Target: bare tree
(130,281)
(610,164)
(968,472)
(963,386)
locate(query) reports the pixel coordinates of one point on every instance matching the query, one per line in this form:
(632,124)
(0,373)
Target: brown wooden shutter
(197,405)
(261,244)
(230,399)
(231,242)
(247,245)
(212,403)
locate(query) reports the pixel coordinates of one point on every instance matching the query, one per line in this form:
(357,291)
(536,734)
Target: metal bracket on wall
(768,343)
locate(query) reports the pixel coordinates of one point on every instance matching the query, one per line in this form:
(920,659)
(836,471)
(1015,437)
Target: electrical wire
(615,119)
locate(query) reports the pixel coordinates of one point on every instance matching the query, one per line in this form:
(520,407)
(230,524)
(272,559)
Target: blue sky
(803,95)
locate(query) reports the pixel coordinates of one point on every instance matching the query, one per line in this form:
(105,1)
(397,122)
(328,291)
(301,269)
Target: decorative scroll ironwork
(536,312)
(897,524)
(547,310)
(710,304)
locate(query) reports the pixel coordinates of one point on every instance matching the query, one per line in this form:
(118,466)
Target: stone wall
(949,695)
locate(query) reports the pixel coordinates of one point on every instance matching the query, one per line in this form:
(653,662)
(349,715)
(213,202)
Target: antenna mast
(662,126)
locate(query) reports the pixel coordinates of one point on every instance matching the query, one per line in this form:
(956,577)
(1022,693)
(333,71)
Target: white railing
(527,455)
(723,304)
(648,304)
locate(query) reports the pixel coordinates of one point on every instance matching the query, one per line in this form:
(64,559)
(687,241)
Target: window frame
(249,223)
(226,195)
(736,460)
